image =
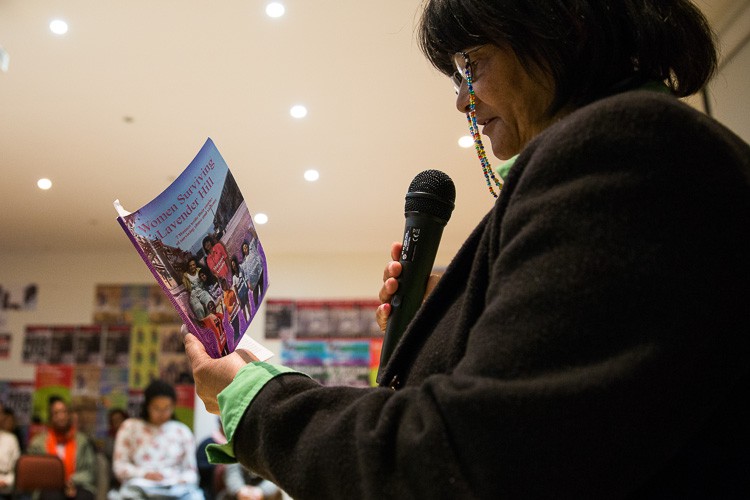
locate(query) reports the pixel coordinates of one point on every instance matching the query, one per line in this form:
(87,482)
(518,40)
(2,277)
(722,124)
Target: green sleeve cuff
(234,400)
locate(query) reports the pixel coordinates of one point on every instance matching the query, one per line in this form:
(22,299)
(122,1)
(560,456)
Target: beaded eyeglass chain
(471,117)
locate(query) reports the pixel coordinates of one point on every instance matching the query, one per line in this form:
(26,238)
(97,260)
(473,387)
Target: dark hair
(155,389)
(55,399)
(587,46)
(117,411)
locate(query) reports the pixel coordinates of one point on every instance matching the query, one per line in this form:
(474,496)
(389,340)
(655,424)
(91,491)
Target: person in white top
(154,455)
(9,453)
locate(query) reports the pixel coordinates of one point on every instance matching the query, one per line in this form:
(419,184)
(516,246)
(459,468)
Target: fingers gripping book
(198,240)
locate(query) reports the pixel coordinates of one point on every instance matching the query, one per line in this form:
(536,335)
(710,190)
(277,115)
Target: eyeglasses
(462,62)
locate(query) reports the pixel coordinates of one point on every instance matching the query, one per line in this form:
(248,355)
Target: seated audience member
(74,448)
(154,455)
(206,469)
(9,453)
(8,423)
(240,483)
(115,417)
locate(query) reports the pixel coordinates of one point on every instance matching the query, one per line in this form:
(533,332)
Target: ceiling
(117,107)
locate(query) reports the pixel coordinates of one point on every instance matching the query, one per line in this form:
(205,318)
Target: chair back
(39,472)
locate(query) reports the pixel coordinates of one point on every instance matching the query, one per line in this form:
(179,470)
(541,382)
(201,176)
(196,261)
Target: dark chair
(38,472)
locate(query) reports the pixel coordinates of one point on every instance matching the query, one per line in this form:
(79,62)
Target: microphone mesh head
(431,192)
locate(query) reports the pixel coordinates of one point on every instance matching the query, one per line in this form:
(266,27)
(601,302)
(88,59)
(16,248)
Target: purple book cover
(198,240)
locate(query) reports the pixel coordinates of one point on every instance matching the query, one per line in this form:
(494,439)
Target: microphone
(429,203)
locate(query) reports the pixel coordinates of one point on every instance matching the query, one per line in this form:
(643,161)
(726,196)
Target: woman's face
(192,267)
(160,410)
(510,102)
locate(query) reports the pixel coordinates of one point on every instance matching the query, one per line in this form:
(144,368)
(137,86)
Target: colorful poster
(37,344)
(117,345)
(174,367)
(50,380)
(184,409)
(87,345)
(331,362)
(61,351)
(280,316)
(316,319)
(144,352)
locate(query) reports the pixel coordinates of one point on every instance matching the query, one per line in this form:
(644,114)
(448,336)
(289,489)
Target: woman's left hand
(212,375)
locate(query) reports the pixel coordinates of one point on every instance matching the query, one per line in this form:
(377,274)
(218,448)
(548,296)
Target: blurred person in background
(75,449)
(154,454)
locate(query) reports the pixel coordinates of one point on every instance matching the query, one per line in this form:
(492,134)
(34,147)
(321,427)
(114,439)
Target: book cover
(198,240)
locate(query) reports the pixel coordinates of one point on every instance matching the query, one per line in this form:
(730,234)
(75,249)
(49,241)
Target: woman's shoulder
(131,425)
(646,112)
(638,123)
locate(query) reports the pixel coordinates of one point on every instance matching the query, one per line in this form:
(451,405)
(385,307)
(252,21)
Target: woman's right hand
(390,285)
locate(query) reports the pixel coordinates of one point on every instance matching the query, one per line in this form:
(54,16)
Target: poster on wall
(117,345)
(280,316)
(174,367)
(14,297)
(61,351)
(87,345)
(37,344)
(132,304)
(319,319)
(5,339)
(349,362)
(331,362)
(50,380)
(144,352)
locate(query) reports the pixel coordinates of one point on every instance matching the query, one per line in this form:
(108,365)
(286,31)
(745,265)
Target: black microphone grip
(420,244)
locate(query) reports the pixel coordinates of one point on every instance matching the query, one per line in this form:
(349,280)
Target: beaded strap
(471,117)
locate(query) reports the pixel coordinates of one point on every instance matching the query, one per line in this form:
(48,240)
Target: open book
(198,240)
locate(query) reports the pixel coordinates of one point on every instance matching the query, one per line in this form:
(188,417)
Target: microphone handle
(420,244)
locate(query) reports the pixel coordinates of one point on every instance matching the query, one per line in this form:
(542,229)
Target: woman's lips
(486,124)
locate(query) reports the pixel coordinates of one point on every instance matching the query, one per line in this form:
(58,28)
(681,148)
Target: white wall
(729,100)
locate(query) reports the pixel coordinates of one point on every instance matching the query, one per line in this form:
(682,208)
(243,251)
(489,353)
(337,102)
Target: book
(198,240)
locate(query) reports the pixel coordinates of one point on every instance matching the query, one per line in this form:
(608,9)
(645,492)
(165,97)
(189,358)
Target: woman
(9,453)
(115,418)
(252,267)
(154,455)
(239,282)
(198,296)
(589,340)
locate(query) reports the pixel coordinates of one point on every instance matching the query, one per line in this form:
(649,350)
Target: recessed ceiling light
(275,9)
(298,111)
(44,184)
(312,175)
(58,27)
(260,218)
(466,141)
